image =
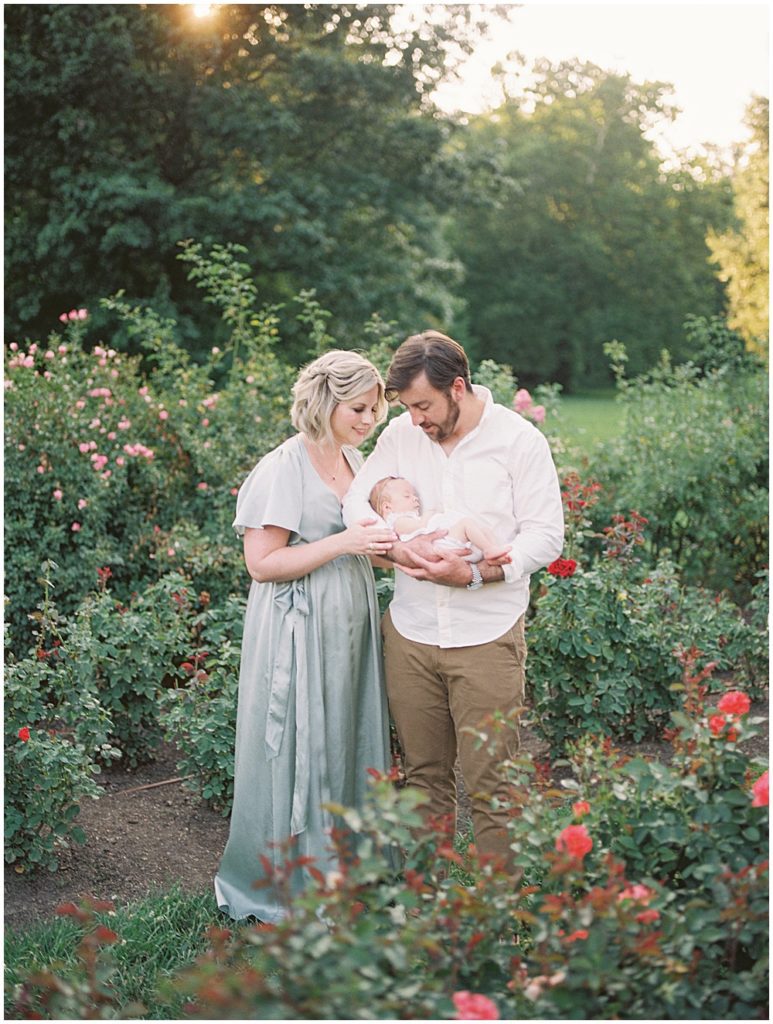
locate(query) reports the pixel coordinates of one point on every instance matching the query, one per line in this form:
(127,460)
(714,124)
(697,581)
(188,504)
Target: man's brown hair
(439,357)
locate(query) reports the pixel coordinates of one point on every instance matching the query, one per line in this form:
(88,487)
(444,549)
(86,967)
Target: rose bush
(604,636)
(56,738)
(597,928)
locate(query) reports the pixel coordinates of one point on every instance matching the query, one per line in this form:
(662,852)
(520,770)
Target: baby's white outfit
(438,521)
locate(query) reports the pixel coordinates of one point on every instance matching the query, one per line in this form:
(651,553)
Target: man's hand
(448,569)
(402,553)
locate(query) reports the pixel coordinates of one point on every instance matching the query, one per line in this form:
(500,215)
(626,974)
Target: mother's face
(353,420)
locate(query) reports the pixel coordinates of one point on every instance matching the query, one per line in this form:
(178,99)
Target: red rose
(648,916)
(734,703)
(562,567)
(575,841)
(760,791)
(717,724)
(581,933)
(24,734)
(580,808)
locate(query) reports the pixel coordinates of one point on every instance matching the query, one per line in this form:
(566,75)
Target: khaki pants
(433,694)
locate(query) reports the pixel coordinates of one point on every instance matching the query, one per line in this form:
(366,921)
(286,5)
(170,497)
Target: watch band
(477,579)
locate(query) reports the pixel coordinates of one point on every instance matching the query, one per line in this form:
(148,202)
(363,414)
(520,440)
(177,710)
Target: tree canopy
(742,251)
(300,131)
(307,134)
(580,237)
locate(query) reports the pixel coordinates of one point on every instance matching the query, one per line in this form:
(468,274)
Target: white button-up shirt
(501,473)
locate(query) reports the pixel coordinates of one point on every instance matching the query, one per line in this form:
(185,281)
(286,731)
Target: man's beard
(441,431)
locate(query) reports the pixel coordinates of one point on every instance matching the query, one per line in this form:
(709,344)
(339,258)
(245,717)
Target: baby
(396,501)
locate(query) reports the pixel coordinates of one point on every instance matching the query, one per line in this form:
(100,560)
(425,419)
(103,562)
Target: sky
(715,55)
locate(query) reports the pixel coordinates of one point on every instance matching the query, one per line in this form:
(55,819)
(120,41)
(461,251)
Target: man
(454,641)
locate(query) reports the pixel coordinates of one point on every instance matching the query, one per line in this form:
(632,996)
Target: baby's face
(401,497)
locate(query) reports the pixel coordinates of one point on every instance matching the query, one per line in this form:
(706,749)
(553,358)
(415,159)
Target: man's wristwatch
(477,579)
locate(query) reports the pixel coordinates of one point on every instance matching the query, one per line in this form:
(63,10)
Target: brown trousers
(433,694)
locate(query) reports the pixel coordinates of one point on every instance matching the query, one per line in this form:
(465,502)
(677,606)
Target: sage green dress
(312,714)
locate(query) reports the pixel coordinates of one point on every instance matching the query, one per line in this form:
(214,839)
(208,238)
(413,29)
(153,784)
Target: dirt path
(137,843)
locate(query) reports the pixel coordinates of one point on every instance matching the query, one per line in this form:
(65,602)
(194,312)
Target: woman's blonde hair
(335,377)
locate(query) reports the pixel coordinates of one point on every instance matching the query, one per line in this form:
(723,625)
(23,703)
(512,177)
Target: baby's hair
(378,493)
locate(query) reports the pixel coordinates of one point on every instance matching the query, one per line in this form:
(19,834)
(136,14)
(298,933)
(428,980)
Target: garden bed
(143,838)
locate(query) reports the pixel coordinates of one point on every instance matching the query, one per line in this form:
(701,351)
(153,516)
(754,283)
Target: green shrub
(598,929)
(128,654)
(109,457)
(693,459)
(56,736)
(199,717)
(604,640)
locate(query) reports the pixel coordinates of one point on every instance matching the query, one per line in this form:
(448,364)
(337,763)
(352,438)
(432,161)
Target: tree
(742,251)
(580,236)
(303,132)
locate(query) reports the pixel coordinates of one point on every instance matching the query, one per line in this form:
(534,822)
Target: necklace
(318,461)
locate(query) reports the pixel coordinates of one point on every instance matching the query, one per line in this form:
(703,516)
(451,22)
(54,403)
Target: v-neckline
(339,497)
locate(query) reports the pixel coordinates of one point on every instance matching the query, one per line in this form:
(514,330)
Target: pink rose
(63,317)
(75,527)
(471,1006)
(580,808)
(82,314)
(522,400)
(205,422)
(163,415)
(49,355)
(120,461)
(639,893)
(73,314)
(538,413)
(82,503)
(58,495)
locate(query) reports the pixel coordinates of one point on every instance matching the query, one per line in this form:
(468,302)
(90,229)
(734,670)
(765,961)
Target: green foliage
(128,654)
(743,250)
(693,459)
(199,718)
(301,131)
(608,243)
(143,477)
(56,734)
(604,643)
(606,928)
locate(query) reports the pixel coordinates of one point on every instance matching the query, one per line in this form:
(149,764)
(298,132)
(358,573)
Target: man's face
(436,412)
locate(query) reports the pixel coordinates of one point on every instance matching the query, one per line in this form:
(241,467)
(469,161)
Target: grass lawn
(157,936)
(590,417)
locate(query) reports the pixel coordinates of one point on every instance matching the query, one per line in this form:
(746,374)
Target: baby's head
(394,494)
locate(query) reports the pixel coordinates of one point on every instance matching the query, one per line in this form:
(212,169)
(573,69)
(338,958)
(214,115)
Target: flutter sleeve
(272,495)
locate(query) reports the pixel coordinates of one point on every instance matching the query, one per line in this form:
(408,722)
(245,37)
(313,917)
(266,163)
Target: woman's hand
(366,539)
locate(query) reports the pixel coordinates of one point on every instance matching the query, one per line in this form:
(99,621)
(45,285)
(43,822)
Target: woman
(312,713)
